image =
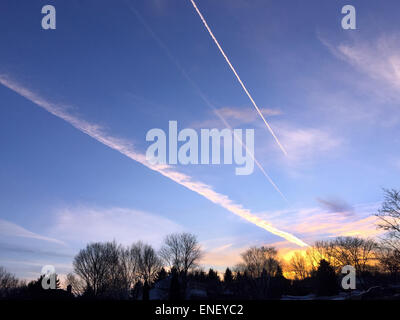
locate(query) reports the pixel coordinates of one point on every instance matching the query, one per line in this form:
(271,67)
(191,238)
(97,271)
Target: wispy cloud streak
(127,149)
(237,76)
(13,230)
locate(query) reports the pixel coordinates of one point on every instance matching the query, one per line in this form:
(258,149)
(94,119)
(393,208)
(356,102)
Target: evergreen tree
(35,290)
(161,275)
(228,277)
(238,276)
(137,290)
(175,287)
(326,281)
(212,276)
(277,284)
(146,291)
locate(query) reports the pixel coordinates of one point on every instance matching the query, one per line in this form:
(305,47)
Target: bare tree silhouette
(181,251)
(299,266)
(259,260)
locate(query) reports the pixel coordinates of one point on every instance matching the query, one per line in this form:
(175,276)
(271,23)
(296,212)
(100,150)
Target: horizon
(78,101)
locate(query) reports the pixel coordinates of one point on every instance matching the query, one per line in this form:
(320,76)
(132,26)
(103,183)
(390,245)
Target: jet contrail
(126,148)
(200,92)
(237,76)
(249,152)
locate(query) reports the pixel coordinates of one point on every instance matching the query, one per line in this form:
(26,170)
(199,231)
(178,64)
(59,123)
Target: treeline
(138,272)
(114,271)
(376,264)
(365,255)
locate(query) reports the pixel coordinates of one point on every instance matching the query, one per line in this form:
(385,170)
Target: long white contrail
(249,152)
(197,89)
(126,148)
(237,76)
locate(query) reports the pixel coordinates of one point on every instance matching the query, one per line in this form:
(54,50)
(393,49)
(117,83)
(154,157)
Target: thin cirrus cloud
(302,143)
(318,223)
(74,228)
(34,249)
(223,256)
(9,229)
(367,76)
(380,59)
(377,58)
(85,224)
(126,148)
(307,143)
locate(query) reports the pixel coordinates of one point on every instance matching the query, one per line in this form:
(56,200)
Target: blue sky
(331,96)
